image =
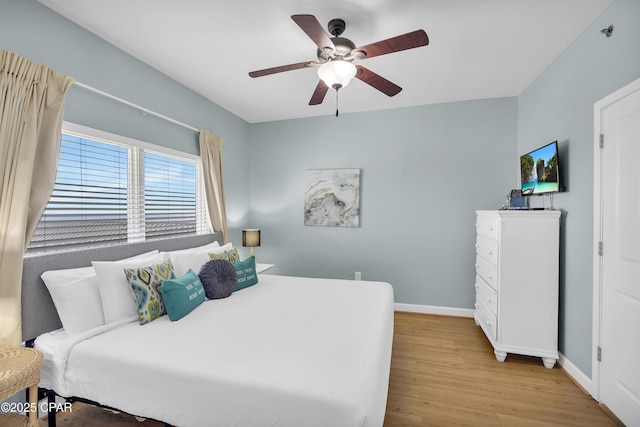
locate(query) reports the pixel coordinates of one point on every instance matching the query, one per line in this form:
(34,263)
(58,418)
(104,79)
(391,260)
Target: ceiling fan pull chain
(336,102)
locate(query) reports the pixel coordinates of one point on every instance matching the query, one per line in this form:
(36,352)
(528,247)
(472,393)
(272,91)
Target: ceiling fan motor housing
(343,48)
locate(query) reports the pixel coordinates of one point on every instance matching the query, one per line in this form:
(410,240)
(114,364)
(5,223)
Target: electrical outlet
(358,275)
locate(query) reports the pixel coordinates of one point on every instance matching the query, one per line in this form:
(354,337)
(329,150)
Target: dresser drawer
(487,320)
(487,271)
(487,295)
(487,226)
(487,248)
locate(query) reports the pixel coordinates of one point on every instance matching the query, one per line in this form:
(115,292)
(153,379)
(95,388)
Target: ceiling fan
(336,54)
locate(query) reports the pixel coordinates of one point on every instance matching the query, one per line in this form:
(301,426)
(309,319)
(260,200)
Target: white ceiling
(478,48)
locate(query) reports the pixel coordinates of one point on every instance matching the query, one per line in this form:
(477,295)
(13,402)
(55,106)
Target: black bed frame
(39,314)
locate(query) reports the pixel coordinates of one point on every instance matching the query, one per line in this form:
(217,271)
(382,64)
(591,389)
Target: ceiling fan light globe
(337,74)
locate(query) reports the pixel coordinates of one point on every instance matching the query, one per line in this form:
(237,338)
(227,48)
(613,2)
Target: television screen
(539,170)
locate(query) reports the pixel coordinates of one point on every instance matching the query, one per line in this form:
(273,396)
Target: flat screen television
(539,170)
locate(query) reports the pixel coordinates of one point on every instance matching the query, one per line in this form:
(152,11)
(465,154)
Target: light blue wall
(424,171)
(559,105)
(37,33)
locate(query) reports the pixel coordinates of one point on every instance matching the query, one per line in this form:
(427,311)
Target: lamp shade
(251,237)
(337,73)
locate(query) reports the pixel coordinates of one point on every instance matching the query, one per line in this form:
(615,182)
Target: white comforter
(286,352)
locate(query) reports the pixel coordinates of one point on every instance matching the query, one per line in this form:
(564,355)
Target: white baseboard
(576,374)
(430,309)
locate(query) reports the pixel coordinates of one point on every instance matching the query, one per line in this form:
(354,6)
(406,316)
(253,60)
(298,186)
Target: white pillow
(194,259)
(117,298)
(75,294)
(211,245)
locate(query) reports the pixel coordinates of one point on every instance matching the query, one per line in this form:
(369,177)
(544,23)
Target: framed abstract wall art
(332,197)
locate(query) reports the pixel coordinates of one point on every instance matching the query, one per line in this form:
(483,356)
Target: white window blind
(109,193)
(170,192)
(88,205)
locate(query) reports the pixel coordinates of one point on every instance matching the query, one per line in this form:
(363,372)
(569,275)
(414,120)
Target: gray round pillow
(219,278)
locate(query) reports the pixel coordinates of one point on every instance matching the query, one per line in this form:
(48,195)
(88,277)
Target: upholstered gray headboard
(38,312)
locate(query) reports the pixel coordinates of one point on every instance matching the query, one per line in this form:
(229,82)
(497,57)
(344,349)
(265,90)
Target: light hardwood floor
(443,373)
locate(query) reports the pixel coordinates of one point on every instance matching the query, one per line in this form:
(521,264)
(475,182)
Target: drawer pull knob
(490,277)
(488,323)
(490,252)
(489,300)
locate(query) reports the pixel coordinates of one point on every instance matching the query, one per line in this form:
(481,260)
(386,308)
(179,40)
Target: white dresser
(517,282)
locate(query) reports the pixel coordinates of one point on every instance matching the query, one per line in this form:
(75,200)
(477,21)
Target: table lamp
(251,239)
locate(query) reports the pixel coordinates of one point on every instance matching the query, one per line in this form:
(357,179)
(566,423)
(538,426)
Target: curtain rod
(145,111)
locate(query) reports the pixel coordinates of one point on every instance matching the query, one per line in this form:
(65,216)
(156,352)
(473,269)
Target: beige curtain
(31,110)
(211,155)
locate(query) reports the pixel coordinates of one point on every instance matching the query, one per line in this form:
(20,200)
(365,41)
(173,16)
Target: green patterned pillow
(145,283)
(231,255)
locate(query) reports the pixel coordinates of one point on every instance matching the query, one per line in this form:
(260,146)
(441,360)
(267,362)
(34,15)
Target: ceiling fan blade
(394,44)
(280,69)
(319,93)
(376,81)
(314,30)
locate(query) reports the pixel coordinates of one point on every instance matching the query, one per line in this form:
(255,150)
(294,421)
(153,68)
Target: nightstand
(264,268)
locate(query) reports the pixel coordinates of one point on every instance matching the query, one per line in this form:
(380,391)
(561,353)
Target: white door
(620,264)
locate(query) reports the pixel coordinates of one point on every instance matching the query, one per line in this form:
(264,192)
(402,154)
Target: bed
(288,351)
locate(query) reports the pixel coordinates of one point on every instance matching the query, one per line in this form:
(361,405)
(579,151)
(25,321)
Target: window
(169,196)
(110,190)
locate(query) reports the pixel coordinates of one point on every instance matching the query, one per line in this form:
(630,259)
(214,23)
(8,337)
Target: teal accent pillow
(246,270)
(144,282)
(182,295)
